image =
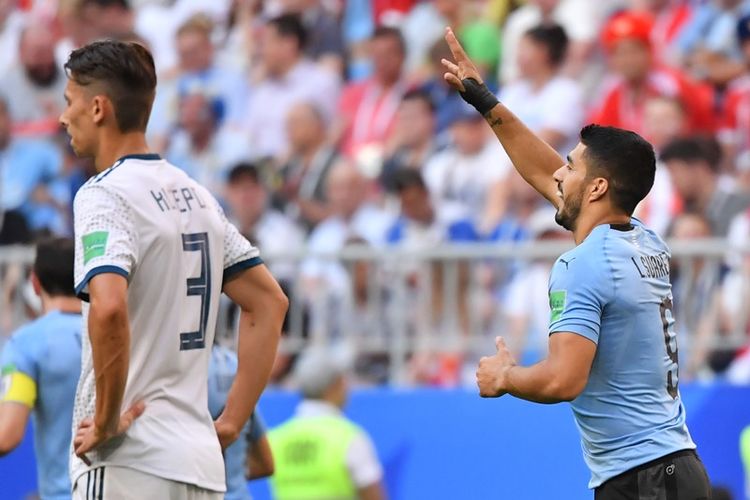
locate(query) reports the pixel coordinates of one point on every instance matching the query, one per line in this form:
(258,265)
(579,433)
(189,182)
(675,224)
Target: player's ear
(98,105)
(599,188)
(35,284)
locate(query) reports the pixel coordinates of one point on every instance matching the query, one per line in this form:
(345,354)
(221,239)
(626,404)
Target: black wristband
(478,95)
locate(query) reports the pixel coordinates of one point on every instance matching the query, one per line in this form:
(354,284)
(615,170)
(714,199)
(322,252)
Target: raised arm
(534,159)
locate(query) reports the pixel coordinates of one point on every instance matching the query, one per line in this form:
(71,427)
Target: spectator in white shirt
(289,80)
(549,103)
(469,178)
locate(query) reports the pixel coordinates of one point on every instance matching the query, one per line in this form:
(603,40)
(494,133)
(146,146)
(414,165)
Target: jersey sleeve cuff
(240,266)
(83,285)
(578,328)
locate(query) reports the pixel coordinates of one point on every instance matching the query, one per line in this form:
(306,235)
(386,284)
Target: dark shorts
(677,476)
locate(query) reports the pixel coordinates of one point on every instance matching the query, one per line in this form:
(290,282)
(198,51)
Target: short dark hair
(692,150)
(420,94)
(408,178)
(622,157)
(53,266)
(126,70)
(553,38)
(243,171)
(390,32)
(291,26)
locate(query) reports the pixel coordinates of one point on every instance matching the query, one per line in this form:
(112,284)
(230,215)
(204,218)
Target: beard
(567,215)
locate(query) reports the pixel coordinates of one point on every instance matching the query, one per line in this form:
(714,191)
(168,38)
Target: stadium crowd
(327,123)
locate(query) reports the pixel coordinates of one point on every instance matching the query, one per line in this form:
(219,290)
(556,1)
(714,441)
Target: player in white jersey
(153,253)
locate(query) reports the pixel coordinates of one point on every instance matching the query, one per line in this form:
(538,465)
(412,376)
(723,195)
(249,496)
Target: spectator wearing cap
(670,17)
(708,43)
(549,103)
(319,453)
(367,109)
(33,89)
(467,179)
(637,77)
(693,164)
(412,143)
(734,129)
(201,146)
(290,79)
(197,72)
(302,194)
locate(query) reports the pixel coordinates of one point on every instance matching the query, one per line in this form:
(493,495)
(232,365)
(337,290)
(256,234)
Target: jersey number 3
(200,286)
(670,339)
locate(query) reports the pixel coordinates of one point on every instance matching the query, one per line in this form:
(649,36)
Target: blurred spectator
(669,17)
(303,177)
(319,453)
(268,229)
(566,13)
(708,43)
(201,146)
(525,304)
(325,44)
(693,164)
(27,167)
(734,132)
(548,103)
(325,281)
(695,291)
(11,24)
(367,110)
(412,142)
(480,39)
(467,179)
(664,120)
(196,72)
(636,78)
(33,90)
(423,226)
(290,79)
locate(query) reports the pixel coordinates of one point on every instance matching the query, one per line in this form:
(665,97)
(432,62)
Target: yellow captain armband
(17,387)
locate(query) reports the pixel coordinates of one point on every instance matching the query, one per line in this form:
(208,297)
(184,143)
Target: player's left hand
(88,437)
(227,432)
(492,369)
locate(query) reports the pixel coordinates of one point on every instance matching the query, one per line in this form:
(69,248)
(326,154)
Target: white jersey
(148,221)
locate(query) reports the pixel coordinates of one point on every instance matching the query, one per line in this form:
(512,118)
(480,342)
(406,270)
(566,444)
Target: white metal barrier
(420,317)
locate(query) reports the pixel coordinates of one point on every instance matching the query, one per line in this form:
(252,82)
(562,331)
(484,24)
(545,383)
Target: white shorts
(123,483)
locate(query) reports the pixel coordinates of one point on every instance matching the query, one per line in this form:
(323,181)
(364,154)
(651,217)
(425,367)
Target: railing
(426,316)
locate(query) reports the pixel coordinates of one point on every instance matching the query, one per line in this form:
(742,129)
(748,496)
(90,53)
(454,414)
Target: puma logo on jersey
(567,262)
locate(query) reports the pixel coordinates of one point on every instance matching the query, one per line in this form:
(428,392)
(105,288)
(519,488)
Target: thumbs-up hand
(491,373)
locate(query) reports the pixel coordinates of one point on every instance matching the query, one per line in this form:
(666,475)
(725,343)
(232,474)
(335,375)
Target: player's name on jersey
(182,199)
(652,266)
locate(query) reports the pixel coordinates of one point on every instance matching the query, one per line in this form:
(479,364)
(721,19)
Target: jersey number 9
(670,339)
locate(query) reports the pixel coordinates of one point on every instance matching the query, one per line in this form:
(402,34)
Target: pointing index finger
(458,52)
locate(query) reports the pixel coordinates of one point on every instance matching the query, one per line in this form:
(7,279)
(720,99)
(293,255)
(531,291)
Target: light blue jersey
(44,357)
(614,290)
(221,372)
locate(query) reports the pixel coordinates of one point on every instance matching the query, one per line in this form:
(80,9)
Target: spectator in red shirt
(368,109)
(734,129)
(637,77)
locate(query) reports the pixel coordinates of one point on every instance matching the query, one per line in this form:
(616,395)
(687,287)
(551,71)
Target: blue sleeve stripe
(241,266)
(93,272)
(577,328)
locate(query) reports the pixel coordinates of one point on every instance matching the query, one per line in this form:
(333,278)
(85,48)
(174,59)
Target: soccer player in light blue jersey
(40,367)
(250,456)
(612,343)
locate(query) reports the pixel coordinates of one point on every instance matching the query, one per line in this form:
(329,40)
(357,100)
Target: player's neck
(585,225)
(116,146)
(61,303)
